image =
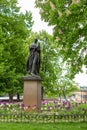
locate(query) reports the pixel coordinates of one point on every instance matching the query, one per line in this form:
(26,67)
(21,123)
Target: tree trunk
(18,97)
(64,95)
(10,97)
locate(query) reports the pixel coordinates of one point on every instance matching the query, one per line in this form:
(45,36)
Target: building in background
(81,95)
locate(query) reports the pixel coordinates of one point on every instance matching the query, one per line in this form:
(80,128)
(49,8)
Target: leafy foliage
(14,28)
(68,18)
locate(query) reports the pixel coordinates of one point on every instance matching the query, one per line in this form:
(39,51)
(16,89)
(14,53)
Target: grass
(50,126)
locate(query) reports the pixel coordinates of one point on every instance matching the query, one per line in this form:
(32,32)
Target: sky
(81,79)
(38,24)
(41,25)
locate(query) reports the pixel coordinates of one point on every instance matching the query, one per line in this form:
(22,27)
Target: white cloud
(38,24)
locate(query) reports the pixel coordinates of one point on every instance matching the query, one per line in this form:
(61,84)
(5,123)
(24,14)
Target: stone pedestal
(32,92)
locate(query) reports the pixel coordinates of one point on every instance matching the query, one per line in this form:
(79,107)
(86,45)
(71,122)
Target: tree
(14,28)
(68,18)
(48,60)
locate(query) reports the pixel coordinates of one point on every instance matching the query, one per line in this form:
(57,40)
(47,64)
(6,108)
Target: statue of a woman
(33,62)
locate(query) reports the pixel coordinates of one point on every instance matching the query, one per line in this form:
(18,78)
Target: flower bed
(51,111)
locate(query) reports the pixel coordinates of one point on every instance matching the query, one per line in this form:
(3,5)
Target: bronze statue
(33,62)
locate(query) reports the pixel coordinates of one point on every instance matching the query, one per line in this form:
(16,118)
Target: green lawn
(50,126)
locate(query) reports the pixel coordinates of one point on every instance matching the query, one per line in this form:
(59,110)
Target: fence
(42,118)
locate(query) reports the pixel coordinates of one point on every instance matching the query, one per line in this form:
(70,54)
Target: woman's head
(35,40)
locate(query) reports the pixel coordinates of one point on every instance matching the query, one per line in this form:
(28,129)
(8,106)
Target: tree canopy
(14,28)
(69,20)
